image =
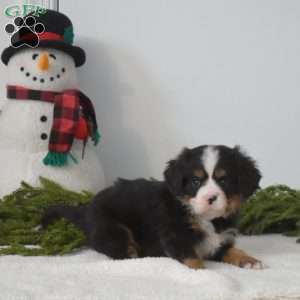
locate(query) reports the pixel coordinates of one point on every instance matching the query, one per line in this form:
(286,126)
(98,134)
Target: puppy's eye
(196,181)
(53,56)
(34,56)
(223,179)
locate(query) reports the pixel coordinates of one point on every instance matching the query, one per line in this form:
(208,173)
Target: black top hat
(50,29)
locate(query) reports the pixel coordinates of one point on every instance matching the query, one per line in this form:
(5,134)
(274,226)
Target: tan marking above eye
(200,173)
(219,173)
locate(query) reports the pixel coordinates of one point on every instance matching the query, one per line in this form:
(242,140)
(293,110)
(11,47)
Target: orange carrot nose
(43,62)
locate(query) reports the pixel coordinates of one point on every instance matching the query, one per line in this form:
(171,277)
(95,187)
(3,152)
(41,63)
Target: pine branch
(275,209)
(20,215)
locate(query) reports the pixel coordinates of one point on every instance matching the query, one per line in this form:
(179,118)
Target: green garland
(275,209)
(20,216)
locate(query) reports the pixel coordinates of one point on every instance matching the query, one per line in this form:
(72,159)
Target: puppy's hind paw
(133,249)
(194,263)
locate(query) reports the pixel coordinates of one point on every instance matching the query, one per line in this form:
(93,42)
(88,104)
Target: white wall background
(4,42)
(171,73)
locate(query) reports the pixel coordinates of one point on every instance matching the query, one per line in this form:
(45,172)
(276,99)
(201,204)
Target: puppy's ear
(248,173)
(174,173)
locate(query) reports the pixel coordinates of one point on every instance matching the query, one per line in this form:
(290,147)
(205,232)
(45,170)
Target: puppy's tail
(73,214)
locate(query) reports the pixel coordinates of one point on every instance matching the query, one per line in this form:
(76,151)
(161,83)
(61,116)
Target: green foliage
(20,216)
(275,209)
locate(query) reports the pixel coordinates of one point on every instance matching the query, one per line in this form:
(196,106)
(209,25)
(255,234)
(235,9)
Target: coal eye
(53,56)
(34,56)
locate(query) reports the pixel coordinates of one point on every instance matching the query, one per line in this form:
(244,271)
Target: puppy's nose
(212,199)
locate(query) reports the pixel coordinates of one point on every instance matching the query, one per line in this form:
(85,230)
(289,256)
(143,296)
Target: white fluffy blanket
(88,275)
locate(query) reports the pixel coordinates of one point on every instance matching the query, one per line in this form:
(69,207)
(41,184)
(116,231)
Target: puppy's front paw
(194,263)
(249,262)
(239,258)
(231,232)
(229,235)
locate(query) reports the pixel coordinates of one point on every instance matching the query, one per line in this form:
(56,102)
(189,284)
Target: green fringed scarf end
(96,137)
(57,159)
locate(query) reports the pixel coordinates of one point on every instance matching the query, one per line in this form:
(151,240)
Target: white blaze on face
(202,203)
(42,69)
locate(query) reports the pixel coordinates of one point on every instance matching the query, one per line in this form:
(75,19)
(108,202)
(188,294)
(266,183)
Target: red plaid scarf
(69,105)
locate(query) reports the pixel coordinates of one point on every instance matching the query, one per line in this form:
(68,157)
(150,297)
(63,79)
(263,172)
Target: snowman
(47,126)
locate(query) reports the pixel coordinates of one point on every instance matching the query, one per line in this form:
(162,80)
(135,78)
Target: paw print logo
(25,32)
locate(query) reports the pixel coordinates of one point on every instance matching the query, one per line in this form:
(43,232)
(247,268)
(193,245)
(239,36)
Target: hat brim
(77,53)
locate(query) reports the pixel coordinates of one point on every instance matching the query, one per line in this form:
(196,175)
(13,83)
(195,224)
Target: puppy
(189,216)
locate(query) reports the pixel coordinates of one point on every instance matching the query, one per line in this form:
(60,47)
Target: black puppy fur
(139,218)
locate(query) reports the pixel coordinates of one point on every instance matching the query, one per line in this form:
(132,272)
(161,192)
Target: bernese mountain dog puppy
(190,216)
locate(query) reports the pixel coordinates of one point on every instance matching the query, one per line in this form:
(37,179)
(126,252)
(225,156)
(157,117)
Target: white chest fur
(213,240)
